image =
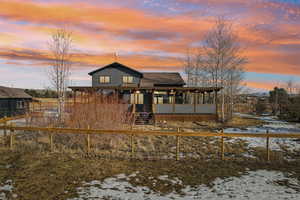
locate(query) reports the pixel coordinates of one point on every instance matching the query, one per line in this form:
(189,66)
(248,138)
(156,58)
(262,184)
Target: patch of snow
(254,185)
(8,166)
(6,188)
(171,180)
(18,122)
(133,174)
(276,144)
(2,132)
(247,155)
(273,126)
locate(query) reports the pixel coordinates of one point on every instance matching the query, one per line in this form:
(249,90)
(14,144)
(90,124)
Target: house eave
(160,88)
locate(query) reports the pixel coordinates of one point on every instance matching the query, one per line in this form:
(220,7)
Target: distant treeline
(47,93)
(41,93)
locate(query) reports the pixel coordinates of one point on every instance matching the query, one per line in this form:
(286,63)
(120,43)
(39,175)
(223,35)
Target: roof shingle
(13,93)
(161,79)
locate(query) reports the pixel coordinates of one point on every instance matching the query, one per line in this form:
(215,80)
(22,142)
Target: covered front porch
(178,103)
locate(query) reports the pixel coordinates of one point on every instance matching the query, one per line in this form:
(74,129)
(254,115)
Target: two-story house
(160,95)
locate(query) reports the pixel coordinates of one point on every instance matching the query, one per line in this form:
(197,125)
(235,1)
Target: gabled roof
(149,79)
(13,93)
(119,66)
(161,79)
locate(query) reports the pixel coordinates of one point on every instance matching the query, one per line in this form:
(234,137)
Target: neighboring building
(13,102)
(246,103)
(157,95)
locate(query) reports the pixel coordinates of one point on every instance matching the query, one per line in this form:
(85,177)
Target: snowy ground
(17,122)
(5,188)
(254,185)
(273,125)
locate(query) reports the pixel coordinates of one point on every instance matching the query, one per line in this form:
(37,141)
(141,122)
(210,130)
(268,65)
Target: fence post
(11,140)
(177,145)
(88,141)
(51,141)
(222,146)
(5,124)
(132,145)
(4,132)
(268,147)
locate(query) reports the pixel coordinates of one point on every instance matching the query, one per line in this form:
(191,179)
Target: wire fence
(140,144)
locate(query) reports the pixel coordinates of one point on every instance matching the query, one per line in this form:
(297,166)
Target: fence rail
(178,134)
(149,133)
(7,119)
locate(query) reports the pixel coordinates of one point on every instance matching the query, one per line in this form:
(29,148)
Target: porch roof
(135,88)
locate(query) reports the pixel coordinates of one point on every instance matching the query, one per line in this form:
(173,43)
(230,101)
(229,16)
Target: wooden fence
(7,119)
(132,133)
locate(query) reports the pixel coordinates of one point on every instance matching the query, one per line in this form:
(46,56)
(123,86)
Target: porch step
(144,118)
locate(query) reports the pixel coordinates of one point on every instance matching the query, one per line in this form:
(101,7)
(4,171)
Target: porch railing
(184,108)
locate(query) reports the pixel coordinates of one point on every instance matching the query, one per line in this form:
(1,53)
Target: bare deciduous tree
(189,67)
(218,63)
(60,46)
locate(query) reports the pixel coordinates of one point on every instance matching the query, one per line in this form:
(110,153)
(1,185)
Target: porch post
(194,94)
(173,102)
(101,96)
(134,102)
(216,104)
(74,97)
(95,97)
(153,102)
(203,98)
(88,96)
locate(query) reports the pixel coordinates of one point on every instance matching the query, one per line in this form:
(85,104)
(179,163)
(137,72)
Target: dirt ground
(236,122)
(56,176)
(33,172)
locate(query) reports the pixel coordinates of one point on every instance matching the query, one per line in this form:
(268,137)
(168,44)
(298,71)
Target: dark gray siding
(116,77)
(8,107)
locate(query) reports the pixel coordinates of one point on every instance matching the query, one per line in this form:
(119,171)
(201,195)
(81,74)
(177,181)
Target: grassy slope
(49,176)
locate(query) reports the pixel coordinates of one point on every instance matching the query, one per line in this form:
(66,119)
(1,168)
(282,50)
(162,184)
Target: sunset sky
(148,35)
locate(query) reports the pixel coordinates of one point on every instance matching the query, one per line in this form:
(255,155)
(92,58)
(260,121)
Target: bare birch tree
(60,46)
(189,67)
(219,63)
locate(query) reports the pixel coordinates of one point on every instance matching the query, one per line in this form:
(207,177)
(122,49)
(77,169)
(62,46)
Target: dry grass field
(56,176)
(31,171)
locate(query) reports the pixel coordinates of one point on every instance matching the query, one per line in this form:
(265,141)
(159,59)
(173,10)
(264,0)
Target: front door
(143,102)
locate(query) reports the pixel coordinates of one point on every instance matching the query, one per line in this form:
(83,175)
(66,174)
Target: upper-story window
(104,79)
(127,79)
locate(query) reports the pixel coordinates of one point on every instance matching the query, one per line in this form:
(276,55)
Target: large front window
(137,98)
(127,79)
(162,97)
(104,79)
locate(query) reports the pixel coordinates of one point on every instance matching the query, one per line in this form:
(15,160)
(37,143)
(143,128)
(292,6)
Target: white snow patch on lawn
(273,126)
(172,180)
(6,188)
(254,185)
